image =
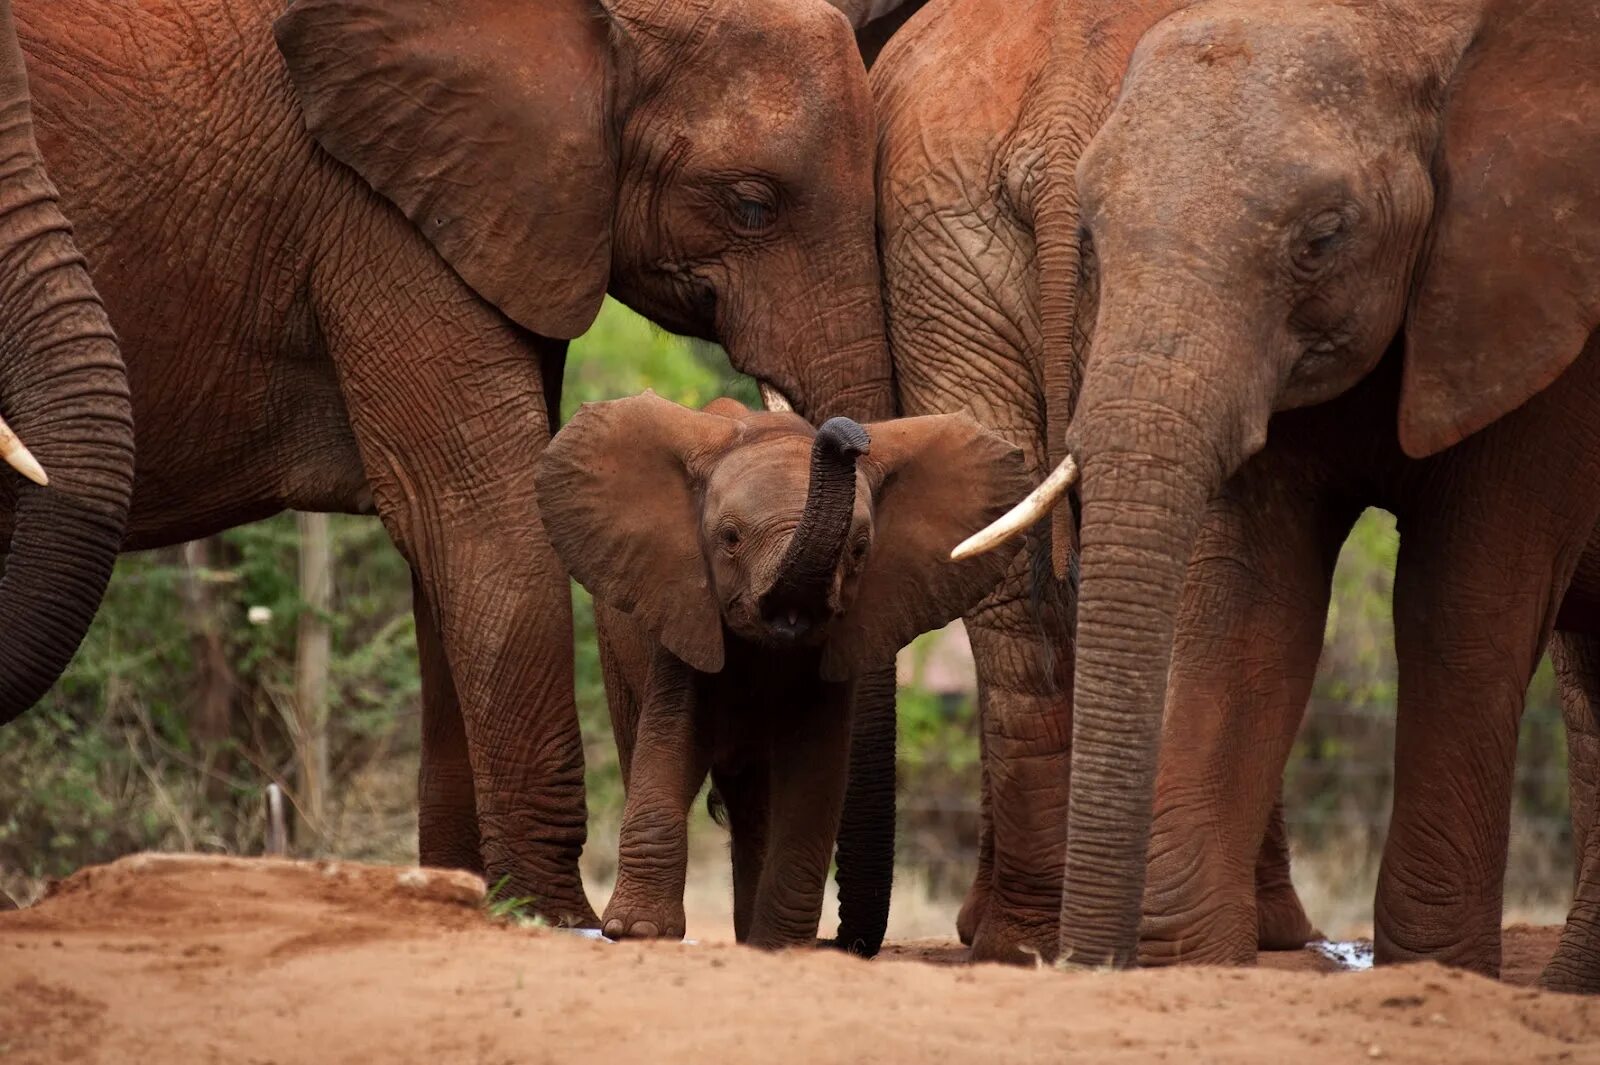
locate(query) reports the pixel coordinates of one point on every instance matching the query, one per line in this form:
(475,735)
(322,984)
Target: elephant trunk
(800,590)
(64,391)
(1155,436)
(865,866)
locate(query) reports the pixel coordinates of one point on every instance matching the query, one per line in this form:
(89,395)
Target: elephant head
(705,523)
(64,389)
(1280,194)
(708,162)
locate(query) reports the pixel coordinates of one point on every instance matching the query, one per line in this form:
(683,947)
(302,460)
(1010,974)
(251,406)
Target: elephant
(978,226)
(1365,276)
(345,244)
(747,569)
(64,390)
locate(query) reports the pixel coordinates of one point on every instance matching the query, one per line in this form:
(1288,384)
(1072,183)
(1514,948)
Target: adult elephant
(346,244)
(984,107)
(1385,215)
(64,390)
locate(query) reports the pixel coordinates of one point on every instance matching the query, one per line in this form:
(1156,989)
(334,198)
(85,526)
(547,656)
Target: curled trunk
(63,389)
(805,574)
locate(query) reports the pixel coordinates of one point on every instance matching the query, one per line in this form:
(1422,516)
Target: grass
(510,909)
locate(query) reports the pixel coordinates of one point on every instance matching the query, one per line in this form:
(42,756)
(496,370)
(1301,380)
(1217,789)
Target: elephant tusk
(1020,518)
(18,457)
(774,400)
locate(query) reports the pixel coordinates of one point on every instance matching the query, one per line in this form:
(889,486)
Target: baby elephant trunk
(798,599)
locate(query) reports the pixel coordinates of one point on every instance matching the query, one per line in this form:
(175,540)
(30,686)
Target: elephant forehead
(767,480)
(767,475)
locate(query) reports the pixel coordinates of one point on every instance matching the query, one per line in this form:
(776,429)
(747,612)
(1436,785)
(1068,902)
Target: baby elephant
(745,569)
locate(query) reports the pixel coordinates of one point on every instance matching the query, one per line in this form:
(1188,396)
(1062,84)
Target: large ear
(485,122)
(934,480)
(619,491)
(1510,287)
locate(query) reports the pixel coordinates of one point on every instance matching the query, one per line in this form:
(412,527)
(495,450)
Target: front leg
(810,751)
(669,765)
(1022,648)
(448,406)
(1249,632)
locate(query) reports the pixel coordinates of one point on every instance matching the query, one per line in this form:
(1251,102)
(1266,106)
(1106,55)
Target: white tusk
(18,457)
(774,400)
(1020,518)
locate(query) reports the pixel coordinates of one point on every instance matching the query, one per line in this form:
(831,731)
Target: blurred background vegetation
(181,708)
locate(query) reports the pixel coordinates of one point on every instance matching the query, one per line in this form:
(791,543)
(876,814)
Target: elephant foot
(1281,921)
(1573,976)
(972,910)
(634,915)
(1012,938)
(564,906)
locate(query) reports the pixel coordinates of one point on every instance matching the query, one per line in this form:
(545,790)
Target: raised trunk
(799,593)
(63,389)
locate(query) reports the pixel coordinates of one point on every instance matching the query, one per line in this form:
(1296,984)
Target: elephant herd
(1215,276)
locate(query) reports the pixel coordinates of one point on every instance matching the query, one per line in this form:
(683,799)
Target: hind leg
(1576,965)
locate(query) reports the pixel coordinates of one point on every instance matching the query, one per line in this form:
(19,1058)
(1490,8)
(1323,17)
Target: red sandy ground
(183,959)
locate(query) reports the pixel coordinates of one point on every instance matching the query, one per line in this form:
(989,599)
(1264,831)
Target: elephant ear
(1510,286)
(934,480)
(619,491)
(485,122)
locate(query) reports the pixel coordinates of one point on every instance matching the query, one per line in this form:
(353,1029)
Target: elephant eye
(1318,240)
(729,535)
(753,207)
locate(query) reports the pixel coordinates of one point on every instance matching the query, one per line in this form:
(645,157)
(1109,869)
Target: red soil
(187,959)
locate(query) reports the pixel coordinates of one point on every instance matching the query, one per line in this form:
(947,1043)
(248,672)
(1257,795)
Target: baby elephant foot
(632,915)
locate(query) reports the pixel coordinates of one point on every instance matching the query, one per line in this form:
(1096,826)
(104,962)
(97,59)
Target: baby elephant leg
(669,764)
(745,796)
(810,753)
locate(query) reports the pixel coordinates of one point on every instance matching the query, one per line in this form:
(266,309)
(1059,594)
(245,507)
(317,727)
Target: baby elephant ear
(485,122)
(1509,290)
(934,480)
(619,492)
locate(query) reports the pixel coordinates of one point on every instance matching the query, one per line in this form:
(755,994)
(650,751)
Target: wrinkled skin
(748,571)
(1331,247)
(978,217)
(345,246)
(64,392)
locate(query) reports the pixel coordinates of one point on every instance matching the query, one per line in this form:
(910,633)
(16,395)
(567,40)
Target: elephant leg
(1022,647)
(1281,921)
(1576,965)
(746,795)
(810,754)
(669,765)
(447,403)
(976,903)
(447,812)
(1469,627)
(1248,636)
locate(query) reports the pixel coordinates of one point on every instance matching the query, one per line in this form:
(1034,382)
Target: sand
(198,959)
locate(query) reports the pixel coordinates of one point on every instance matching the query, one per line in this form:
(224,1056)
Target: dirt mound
(226,960)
